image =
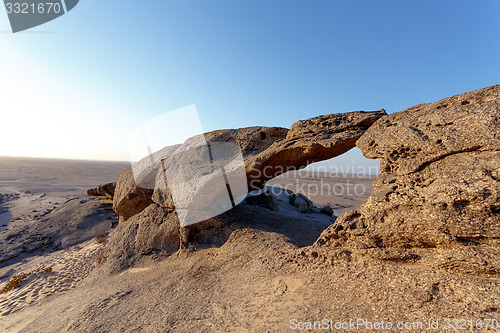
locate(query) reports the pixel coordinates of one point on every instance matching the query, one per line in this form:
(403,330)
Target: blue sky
(77,87)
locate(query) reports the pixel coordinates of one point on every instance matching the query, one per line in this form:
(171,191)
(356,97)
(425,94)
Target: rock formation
(309,141)
(106,190)
(439,186)
(302,203)
(131,198)
(265,199)
(151,223)
(267,153)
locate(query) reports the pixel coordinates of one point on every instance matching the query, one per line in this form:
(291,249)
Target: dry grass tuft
(16,280)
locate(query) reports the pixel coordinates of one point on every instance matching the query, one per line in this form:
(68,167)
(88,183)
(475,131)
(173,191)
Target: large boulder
(195,179)
(144,182)
(440,180)
(135,185)
(152,231)
(130,198)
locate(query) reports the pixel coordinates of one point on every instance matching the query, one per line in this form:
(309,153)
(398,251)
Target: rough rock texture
(302,203)
(130,198)
(251,140)
(152,231)
(265,199)
(156,232)
(106,190)
(135,185)
(267,152)
(309,141)
(440,180)
(327,210)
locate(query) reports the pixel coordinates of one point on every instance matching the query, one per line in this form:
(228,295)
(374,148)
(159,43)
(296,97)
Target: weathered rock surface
(265,199)
(130,198)
(302,203)
(106,190)
(156,232)
(440,180)
(267,153)
(144,182)
(135,185)
(251,140)
(143,189)
(152,231)
(309,141)
(327,210)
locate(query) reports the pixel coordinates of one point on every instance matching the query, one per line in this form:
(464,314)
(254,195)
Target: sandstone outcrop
(144,183)
(440,180)
(135,185)
(106,190)
(144,191)
(267,152)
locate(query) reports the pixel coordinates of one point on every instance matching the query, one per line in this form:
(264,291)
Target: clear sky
(77,87)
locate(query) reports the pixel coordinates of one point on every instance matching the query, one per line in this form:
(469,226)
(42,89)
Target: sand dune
(53,273)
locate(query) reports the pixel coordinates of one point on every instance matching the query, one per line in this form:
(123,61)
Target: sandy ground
(35,186)
(40,192)
(35,194)
(52,273)
(260,280)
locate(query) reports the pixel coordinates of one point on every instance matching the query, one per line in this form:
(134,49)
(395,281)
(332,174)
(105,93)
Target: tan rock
(106,190)
(130,198)
(152,231)
(197,164)
(439,185)
(267,152)
(309,141)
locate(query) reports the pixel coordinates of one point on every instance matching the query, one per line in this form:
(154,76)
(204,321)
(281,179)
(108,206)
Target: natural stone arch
(149,224)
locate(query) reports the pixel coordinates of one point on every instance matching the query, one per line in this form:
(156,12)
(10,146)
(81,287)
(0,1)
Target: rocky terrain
(150,219)
(420,254)
(437,200)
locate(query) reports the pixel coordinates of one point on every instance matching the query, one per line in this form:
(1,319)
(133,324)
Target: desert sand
(39,214)
(416,252)
(258,281)
(41,192)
